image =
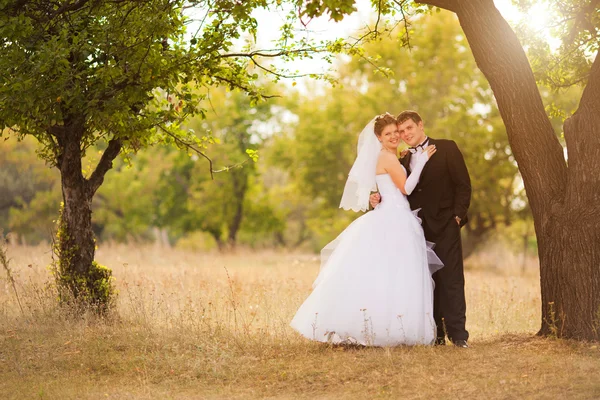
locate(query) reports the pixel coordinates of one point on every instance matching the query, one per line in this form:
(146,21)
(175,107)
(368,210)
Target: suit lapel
(431,142)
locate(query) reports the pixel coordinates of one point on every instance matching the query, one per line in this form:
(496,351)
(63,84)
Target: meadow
(192,325)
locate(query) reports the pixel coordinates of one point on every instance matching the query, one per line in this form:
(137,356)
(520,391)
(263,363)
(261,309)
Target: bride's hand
(430,151)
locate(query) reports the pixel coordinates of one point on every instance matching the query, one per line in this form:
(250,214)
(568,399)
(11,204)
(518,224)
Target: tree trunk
(81,281)
(77,219)
(280,239)
(564,200)
(240,186)
(569,263)
(570,260)
(477,232)
(76,242)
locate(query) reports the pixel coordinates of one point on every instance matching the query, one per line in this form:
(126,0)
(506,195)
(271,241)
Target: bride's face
(390,138)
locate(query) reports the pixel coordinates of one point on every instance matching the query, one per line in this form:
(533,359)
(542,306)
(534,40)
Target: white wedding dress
(375,286)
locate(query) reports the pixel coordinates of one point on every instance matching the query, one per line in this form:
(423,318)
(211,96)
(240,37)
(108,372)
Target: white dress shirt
(420,149)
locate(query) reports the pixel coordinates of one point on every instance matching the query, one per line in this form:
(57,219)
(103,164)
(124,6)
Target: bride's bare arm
(393,167)
(398,174)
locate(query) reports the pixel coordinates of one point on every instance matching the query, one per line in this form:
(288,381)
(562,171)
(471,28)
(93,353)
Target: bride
(374,287)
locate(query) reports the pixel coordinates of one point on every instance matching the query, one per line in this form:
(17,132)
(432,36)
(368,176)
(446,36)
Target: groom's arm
(462,182)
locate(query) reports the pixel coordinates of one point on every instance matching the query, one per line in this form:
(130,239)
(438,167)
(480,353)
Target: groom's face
(411,132)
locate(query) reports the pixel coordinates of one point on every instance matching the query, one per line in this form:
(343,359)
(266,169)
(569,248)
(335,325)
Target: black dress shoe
(461,343)
(439,342)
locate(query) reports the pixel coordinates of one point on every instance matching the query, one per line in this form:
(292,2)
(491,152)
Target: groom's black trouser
(449,294)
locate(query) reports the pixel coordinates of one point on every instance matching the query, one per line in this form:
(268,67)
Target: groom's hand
(374,199)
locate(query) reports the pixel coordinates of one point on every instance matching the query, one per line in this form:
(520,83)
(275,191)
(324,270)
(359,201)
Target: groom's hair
(408,114)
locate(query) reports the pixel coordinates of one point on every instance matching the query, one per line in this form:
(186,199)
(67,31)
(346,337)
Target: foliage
(264,223)
(220,205)
(130,68)
(438,78)
(25,179)
(35,221)
(291,194)
(174,191)
(123,75)
(126,204)
(307,144)
(575,25)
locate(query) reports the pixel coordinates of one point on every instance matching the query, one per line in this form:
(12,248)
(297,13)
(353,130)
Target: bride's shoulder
(388,159)
(387,156)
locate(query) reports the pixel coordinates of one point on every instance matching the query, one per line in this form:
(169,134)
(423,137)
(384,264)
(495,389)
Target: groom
(443,195)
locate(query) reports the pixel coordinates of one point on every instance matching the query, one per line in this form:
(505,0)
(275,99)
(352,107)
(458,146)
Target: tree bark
(77,241)
(571,267)
(240,186)
(563,199)
(77,273)
(478,230)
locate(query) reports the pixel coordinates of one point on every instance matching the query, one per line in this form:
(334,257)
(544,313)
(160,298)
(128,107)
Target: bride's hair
(383,120)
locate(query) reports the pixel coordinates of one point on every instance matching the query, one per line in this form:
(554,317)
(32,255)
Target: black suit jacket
(444,188)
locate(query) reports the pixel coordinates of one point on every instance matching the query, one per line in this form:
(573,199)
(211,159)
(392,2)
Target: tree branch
(378,18)
(237,85)
(104,165)
(230,167)
(405,27)
(189,146)
(57,131)
(272,53)
(591,93)
(14,8)
(583,142)
(277,74)
(66,7)
(450,5)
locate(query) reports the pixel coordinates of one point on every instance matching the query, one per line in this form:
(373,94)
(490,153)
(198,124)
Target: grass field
(196,326)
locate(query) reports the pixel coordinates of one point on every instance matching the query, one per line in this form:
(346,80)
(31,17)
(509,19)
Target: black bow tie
(413,150)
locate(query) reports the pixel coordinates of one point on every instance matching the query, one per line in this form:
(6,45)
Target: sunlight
(538,18)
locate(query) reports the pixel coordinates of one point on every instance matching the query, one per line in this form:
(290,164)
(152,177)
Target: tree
(563,196)
(314,154)
(234,123)
(122,74)
(190,200)
(125,205)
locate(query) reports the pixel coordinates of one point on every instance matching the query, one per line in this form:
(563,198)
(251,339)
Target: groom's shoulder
(444,143)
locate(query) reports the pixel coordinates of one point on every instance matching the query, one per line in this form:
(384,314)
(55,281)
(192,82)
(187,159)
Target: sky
(269,22)
(321,28)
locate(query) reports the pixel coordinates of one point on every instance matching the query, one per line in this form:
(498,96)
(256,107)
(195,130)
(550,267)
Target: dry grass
(195,326)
